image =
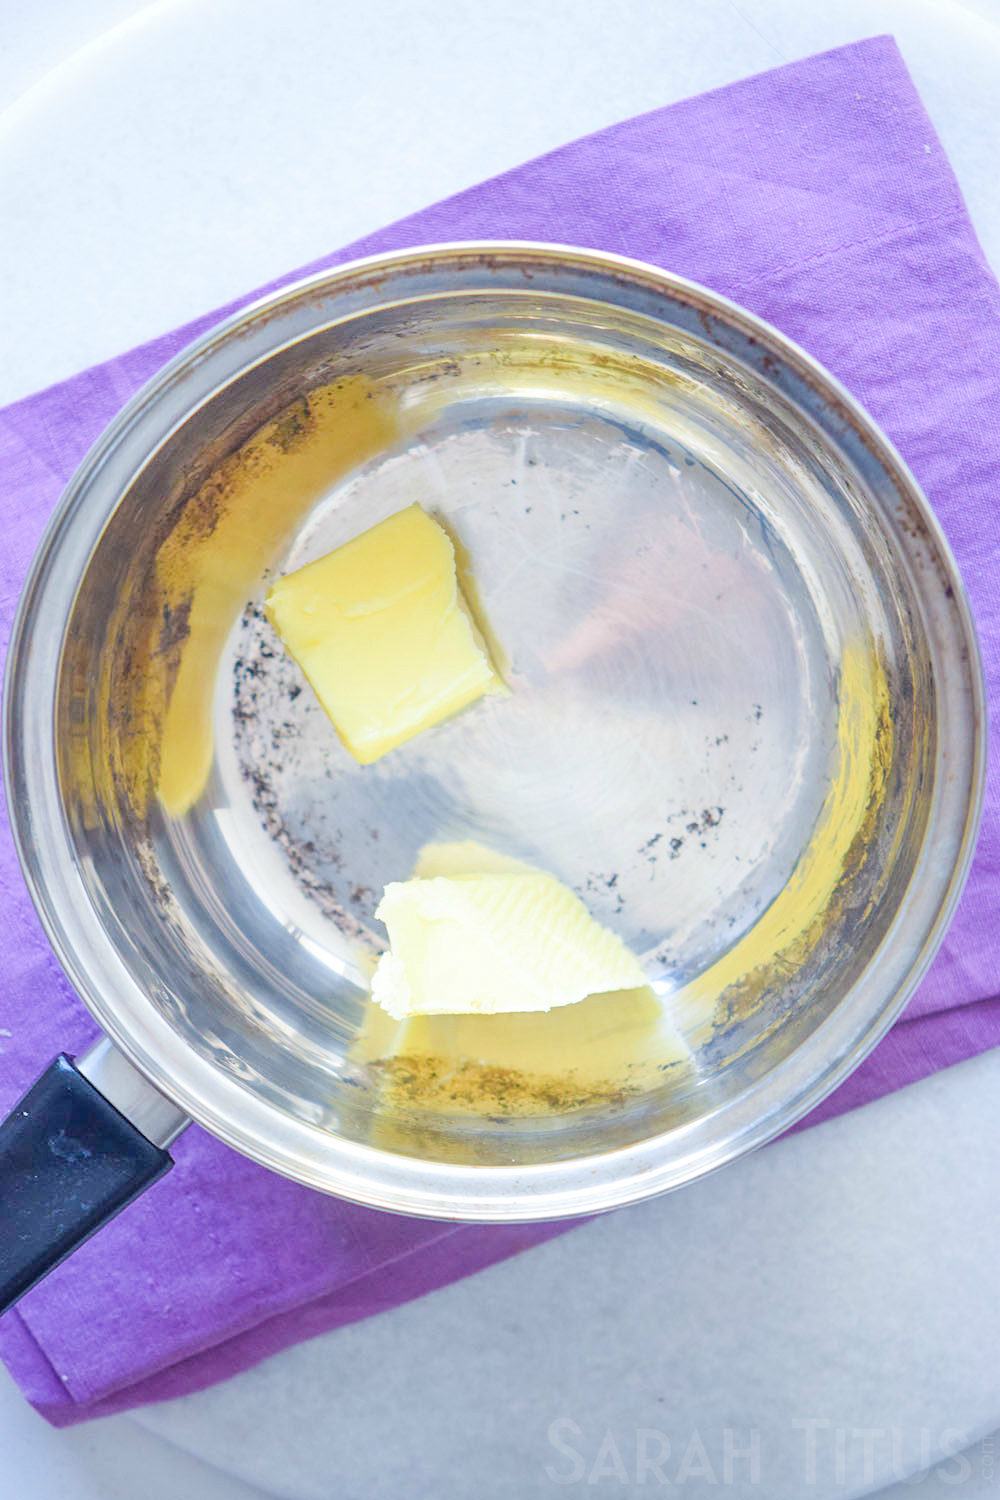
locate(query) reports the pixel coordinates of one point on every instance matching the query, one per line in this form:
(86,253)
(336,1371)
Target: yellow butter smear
(806,907)
(602,1050)
(162,677)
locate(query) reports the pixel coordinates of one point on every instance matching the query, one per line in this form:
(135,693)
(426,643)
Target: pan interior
(719,731)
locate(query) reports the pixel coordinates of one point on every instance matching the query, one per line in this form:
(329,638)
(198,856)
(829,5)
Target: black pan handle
(69,1161)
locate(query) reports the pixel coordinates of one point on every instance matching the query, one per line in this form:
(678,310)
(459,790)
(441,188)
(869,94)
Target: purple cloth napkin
(819,196)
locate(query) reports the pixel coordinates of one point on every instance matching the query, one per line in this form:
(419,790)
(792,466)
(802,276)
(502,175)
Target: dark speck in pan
(174,630)
(265,683)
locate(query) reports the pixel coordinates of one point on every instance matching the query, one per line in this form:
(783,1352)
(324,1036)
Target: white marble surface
(111,1460)
(841,1276)
(156,160)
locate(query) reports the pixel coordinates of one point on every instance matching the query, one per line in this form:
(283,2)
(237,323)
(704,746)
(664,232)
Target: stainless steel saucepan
(745,725)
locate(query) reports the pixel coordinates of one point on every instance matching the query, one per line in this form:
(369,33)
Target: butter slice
(488,944)
(382,632)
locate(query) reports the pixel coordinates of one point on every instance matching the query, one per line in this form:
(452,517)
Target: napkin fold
(819,196)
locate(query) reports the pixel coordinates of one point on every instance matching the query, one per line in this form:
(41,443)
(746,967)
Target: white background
(156,161)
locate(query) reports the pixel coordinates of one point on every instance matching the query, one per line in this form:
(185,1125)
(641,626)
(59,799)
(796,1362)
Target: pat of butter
(382,632)
(487,944)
